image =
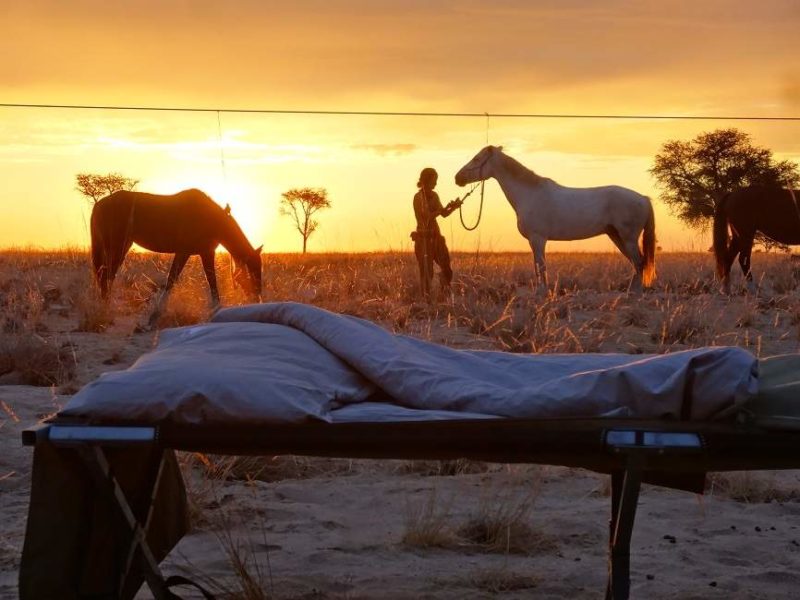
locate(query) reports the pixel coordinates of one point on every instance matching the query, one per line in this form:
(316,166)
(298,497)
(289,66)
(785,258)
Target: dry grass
(94,315)
(493,302)
(251,577)
(33,360)
(442,468)
(274,468)
(502,580)
(208,507)
(750,487)
(502,524)
(428,524)
(250,572)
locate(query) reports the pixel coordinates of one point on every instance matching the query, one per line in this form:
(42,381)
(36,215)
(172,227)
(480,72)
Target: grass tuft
(428,526)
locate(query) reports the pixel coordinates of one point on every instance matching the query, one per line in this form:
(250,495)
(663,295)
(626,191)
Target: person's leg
(425,265)
(442,258)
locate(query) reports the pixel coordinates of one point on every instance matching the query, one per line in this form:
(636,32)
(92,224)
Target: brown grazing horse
(183,224)
(773,211)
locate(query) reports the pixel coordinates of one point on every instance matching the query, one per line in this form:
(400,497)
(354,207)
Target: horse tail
(649,247)
(721,237)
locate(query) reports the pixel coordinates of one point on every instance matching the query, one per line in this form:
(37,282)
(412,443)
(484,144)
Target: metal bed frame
(675,454)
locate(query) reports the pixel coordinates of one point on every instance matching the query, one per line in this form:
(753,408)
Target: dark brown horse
(773,211)
(183,224)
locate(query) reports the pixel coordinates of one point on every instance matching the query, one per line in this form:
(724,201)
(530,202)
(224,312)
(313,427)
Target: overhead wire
(380,113)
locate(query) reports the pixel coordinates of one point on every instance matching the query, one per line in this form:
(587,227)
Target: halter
(480,166)
(480,209)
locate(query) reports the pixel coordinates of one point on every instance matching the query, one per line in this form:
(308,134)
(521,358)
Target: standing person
(429,243)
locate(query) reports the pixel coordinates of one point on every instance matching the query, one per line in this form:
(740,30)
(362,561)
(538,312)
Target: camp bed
(121,504)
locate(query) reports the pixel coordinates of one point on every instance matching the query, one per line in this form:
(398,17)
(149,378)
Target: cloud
(791,91)
(510,55)
(386,149)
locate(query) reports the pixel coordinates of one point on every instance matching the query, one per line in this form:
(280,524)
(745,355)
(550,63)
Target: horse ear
(227,209)
(258,250)
(499,148)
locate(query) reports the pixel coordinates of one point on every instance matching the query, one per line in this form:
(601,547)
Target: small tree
(697,174)
(300,204)
(94,187)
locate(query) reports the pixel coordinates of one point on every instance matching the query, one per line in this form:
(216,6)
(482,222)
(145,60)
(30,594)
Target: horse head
(478,169)
(247,274)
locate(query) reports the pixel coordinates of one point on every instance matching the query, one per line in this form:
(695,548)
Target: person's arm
(451,206)
(438,209)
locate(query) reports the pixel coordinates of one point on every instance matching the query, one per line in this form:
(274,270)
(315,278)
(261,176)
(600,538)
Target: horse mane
(236,235)
(520,171)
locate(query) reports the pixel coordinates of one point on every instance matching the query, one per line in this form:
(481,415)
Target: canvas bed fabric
(290,363)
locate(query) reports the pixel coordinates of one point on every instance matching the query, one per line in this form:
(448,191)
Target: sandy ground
(336,529)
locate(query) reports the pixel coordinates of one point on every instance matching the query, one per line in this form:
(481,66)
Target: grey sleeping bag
(289,362)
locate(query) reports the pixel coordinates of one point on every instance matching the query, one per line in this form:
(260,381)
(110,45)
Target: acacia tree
(301,204)
(697,174)
(94,187)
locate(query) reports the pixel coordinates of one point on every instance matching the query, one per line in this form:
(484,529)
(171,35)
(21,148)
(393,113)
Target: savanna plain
(306,528)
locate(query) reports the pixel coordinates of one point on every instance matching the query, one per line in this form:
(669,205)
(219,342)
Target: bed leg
(101,470)
(625,486)
(144,514)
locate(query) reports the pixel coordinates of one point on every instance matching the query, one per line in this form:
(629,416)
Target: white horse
(549,211)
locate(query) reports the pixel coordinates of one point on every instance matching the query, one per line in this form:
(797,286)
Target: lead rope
(480,209)
(483,182)
(224,182)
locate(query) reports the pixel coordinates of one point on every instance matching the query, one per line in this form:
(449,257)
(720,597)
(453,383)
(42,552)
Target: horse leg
(632,253)
(114,265)
(174,271)
(733,249)
(744,262)
(537,243)
(211,276)
(100,264)
(637,260)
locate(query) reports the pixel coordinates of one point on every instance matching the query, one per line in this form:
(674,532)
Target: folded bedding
(293,363)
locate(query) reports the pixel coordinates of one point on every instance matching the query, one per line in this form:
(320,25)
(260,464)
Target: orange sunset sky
(715,57)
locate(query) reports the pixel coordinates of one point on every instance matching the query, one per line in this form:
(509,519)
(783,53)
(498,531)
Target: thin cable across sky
(380,113)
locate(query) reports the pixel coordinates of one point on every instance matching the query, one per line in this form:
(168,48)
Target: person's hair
(426,173)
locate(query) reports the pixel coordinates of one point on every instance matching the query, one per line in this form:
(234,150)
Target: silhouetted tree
(301,204)
(696,175)
(94,187)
